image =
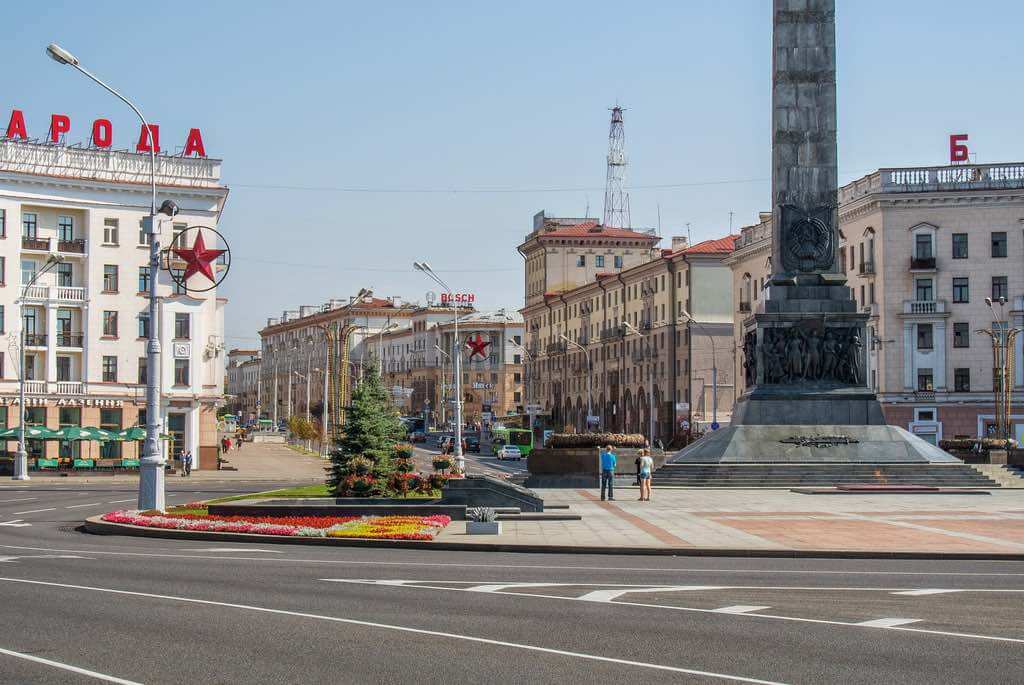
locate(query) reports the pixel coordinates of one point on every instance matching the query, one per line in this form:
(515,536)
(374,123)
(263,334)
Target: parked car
(510,452)
(417,436)
(472,445)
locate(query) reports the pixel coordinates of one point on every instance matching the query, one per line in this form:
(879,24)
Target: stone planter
(483,527)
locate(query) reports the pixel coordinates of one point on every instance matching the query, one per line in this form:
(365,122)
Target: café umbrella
(31,432)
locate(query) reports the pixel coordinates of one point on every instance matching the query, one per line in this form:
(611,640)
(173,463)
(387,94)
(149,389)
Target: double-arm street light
(714,367)
(442,394)
(460,461)
(531,398)
(21,458)
(651,409)
(151,466)
(1003,353)
(590,388)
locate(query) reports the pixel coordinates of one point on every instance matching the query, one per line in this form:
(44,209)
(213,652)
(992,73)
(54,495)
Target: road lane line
(67,667)
(888,622)
(118,501)
(739,609)
(35,511)
(402,629)
(501,586)
(90,504)
(23,499)
(922,593)
(609,595)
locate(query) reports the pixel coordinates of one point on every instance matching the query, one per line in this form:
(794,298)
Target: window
(923,246)
(999,243)
(3,270)
(181,326)
(111,420)
(63,368)
(109,369)
(110,278)
(35,416)
(599,260)
(144,238)
(143,279)
(177,240)
(961,334)
(924,336)
(110,324)
(3,417)
(517,359)
(959,246)
(144,325)
(997,379)
(110,232)
(581,260)
(924,289)
(65,228)
(64,272)
(961,291)
(999,288)
(143,362)
(924,380)
(181,372)
(961,380)
(871,292)
(3,320)
(28,225)
(2,367)
(30,367)
(3,223)
(178,276)
(28,271)
(617,261)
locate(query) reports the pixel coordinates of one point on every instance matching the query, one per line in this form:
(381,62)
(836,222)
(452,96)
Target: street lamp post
(151,466)
(1003,345)
(443,384)
(650,401)
(531,399)
(460,460)
(380,346)
(590,388)
(714,367)
(21,458)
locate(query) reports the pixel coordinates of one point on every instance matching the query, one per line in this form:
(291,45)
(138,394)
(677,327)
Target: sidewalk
(254,462)
(773,520)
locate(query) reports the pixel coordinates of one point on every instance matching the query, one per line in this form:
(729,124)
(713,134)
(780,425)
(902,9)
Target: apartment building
(922,249)
(242,383)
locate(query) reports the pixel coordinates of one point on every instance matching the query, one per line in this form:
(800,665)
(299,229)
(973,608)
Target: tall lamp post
(531,396)
(21,458)
(590,388)
(651,409)
(442,394)
(1003,346)
(151,466)
(460,460)
(714,368)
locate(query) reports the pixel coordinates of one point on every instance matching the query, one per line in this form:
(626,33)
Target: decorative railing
(42,244)
(76,246)
(70,339)
(70,388)
(70,293)
(35,340)
(918,263)
(924,306)
(867,268)
(35,387)
(744,306)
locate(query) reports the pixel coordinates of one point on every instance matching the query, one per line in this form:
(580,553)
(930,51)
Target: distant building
(242,383)
(922,248)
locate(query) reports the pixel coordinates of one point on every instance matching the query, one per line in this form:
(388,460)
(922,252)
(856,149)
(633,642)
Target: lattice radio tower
(616,199)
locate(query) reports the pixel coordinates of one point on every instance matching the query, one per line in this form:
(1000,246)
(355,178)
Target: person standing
(646,469)
(187,461)
(608,462)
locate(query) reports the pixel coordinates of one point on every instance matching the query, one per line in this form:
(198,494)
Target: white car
(510,452)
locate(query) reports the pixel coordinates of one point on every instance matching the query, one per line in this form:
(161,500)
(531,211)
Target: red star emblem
(477,346)
(198,258)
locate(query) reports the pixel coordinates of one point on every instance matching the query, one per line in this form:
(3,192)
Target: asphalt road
(78,607)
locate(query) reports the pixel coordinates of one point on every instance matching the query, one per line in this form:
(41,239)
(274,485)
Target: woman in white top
(646,467)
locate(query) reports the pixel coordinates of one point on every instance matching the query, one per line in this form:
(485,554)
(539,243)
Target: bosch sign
(458,298)
(103,134)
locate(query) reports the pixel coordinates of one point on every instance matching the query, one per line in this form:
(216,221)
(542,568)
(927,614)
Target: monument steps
(797,475)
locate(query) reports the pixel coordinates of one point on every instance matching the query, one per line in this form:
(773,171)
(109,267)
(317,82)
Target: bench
(43,464)
(80,464)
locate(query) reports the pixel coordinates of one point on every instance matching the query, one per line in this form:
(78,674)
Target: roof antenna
(659,218)
(730,223)
(586,212)
(689,236)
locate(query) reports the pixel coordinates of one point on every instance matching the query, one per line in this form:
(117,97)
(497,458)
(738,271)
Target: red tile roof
(584,230)
(716,246)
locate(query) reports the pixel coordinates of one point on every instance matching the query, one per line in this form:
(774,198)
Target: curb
(96,526)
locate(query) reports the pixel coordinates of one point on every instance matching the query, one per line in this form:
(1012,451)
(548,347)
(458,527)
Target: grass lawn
(304,491)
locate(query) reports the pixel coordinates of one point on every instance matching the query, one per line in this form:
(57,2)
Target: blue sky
(457,97)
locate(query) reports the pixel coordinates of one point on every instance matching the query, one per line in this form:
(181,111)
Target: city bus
(520,437)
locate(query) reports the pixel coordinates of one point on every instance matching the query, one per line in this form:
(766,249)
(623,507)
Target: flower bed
(370,527)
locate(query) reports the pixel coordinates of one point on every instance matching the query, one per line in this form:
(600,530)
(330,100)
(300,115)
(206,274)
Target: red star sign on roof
(198,258)
(477,346)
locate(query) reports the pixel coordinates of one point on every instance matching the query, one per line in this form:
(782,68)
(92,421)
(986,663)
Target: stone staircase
(1006,476)
(819,475)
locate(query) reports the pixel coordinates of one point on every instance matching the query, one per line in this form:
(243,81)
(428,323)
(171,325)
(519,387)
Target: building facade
(417,362)
(649,335)
(242,382)
(85,321)
(922,248)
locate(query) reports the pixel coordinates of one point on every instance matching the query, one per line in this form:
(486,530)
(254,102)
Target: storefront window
(71,449)
(110,419)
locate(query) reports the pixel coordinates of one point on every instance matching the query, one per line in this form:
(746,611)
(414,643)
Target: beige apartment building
(241,383)
(418,369)
(922,249)
(625,340)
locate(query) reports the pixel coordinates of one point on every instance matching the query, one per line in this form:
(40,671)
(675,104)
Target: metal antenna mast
(616,199)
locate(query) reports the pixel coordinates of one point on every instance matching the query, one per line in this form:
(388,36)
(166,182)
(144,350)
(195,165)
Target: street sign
(593,420)
(715,425)
(682,406)
(534,409)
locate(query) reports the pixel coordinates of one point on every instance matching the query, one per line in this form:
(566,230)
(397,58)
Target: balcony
(35,243)
(76,246)
(744,306)
(35,387)
(35,340)
(868,268)
(611,334)
(922,263)
(70,388)
(63,293)
(928,307)
(555,348)
(70,339)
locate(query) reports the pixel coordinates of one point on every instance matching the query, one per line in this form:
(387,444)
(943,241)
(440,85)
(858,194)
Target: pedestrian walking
(181,459)
(646,469)
(187,461)
(239,439)
(608,462)
(636,463)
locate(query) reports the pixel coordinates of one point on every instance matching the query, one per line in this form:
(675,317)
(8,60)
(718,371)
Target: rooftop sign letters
(102,135)
(457,298)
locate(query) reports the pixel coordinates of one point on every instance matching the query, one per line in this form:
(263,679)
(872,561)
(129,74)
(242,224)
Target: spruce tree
(372,427)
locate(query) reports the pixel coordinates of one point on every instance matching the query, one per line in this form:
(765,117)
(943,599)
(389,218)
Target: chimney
(679,242)
(306,310)
(271,321)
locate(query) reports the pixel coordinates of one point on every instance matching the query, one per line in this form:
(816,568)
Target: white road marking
(921,593)
(35,511)
(696,610)
(236,549)
(67,667)
(502,586)
(401,629)
(43,556)
(23,499)
(609,595)
(118,501)
(888,622)
(739,609)
(90,504)
(15,523)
